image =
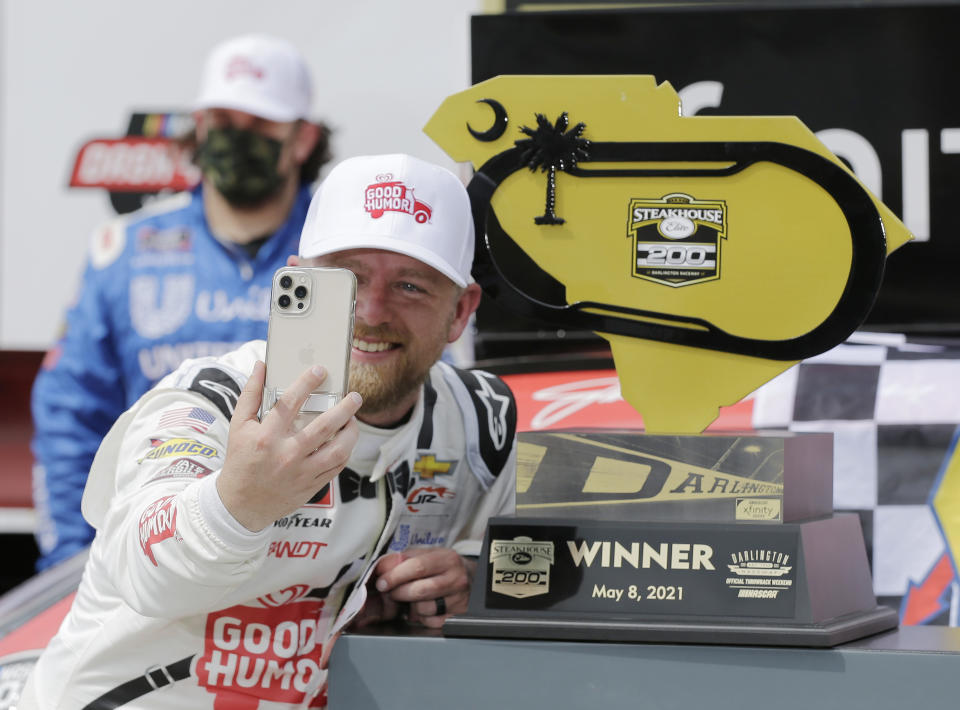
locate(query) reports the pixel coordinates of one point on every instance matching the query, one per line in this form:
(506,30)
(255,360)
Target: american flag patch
(196,418)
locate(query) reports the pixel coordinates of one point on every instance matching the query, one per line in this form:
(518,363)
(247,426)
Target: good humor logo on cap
(389,195)
(242,66)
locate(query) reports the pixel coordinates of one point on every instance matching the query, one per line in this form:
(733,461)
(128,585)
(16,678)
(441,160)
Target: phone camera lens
(286,282)
(283,301)
(300,292)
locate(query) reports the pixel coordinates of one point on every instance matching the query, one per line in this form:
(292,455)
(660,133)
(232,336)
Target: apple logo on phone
(306,355)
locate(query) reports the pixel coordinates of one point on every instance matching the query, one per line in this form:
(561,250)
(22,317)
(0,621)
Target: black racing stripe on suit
(425,438)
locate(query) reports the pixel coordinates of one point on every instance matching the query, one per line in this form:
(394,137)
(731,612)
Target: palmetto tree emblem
(552,148)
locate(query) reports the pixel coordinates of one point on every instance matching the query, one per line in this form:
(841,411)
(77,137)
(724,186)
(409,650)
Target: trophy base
(821,635)
(776,584)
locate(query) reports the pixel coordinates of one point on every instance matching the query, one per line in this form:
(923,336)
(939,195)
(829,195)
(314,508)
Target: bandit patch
(389,195)
(158,522)
(676,239)
(304,549)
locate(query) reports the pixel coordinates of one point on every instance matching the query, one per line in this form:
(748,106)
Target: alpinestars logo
(676,239)
(496,406)
(389,195)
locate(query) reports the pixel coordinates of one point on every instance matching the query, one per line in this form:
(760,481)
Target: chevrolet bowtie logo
(427,466)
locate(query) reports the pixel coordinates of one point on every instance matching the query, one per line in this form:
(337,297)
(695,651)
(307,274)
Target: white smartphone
(311,323)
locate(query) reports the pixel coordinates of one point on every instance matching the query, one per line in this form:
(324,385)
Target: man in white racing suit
(231,548)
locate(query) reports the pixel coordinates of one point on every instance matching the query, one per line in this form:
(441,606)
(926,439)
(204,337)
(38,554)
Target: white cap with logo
(260,75)
(393,202)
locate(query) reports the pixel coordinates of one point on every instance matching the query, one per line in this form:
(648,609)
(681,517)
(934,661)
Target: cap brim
(264,109)
(344,242)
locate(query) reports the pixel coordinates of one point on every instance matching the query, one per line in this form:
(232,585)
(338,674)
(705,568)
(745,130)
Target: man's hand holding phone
(271,468)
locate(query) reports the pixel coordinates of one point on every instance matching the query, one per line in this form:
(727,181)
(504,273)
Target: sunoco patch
(676,239)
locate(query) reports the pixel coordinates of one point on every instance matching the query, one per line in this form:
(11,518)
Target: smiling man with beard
(230,550)
(390,360)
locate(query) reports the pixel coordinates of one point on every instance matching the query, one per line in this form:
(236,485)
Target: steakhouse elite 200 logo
(521,567)
(676,239)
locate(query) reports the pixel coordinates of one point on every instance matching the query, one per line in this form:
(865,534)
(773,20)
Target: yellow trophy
(713,253)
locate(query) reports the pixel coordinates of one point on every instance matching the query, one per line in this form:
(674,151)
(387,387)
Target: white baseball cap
(393,202)
(260,75)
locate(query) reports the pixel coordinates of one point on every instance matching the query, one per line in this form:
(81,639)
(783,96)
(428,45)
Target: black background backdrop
(873,68)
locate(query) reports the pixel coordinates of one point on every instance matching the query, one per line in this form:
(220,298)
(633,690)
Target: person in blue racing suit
(183,277)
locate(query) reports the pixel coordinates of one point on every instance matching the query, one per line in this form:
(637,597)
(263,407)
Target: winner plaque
(706,539)
(713,253)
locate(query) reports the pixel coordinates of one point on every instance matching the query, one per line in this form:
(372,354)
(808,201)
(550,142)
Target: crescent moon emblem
(499,126)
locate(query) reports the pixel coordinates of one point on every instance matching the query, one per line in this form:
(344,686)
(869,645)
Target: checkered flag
(894,410)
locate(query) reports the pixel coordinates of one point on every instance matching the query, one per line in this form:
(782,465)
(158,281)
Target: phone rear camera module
(286,282)
(283,301)
(300,292)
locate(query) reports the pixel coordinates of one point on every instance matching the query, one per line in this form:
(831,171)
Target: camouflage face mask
(241,164)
